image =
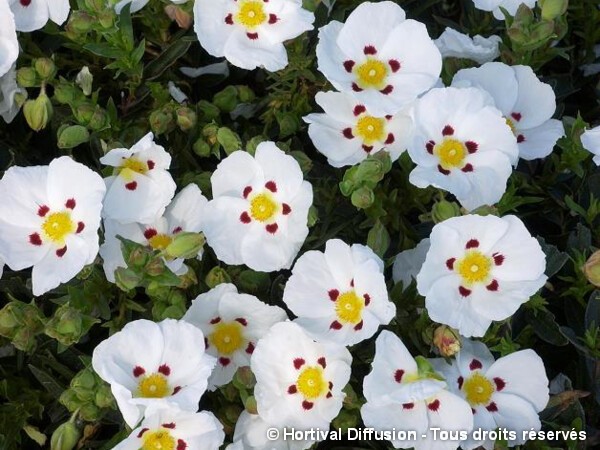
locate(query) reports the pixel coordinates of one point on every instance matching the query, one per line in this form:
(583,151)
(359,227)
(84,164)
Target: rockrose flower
(339,295)
(462,145)
(299,381)
(141,186)
(348,133)
(259,212)
(232,324)
(384,60)
(31,15)
(49,219)
(526,103)
(402,395)
(151,364)
(479,269)
(9,46)
(508,393)
(250,33)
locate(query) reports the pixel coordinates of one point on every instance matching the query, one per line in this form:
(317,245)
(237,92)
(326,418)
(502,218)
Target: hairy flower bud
(38,112)
(446,340)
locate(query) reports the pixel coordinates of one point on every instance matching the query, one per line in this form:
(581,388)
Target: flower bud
(68,325)
(363,197)
(185,245)
(107,18)
(186,118)
(227,99)
(244,377)
(99,120)
(201,148)
(96,5)
(66,93)
(72,136)
(84,80)
(104,397)
(443,210)
(65,437)
(79,23)
(551,9)
(246,94)
(208,111)
(182,17)
(38,112)
(591,268)
(250,405)
(45,68)
(210,133)
(446,340)
(27,77)
(161,121)
(216,276)
(84,379)
(288,124)
(84,113)
(229,140)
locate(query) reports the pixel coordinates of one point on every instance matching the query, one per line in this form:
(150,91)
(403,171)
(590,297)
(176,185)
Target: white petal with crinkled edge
(251,434)
(540,141)
(9,45)
(407,263)
(36,14)
(590,139)
(8,90)
(452,43)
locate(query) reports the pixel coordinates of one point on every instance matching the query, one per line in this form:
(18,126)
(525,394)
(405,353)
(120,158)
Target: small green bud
(227,99)
(84,80)
(156,267)
(45,68)
(8,320)
(99,120)
(84,379)
(443,210)
(288,124)
(185,245)
(79,23)
(210,133)
(90,412)
(201,148)
(84,113)
(27,77)
(425,368)
(551,9)
(250,405)
(104,397)
(216,276)
(229,140)
(363,197)
(246,94)
(66,93)
(244,377)
(161,122)
(186,118)
(96,5)
(208,111)
(591,269)
(65,437)
(69,137)
(38,112)
(107,18)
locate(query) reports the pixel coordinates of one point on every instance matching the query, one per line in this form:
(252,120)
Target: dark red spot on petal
(367,298)
(348,65)
(333,294)
(273,19)
(347,132)
(137,371)
(43,210)
(80,227)
(467,168)
(169,425)
(367,148)
(215,320)
(176,390)
(224,361)
(292,389)
(322,362)
(352,282)
(142,431)
(131,186)
(472,243)
(442,170)
(250,348)
(369,50)
(387,90)
(242,321)
(177,230)
(165,370)
(394,65)
(358,326)
(229,19)
(471,146)
(389,117)
(252,36)
(307,405)
(390,139)
(520,138)
(298,362)
(447,131)
(498,259)
(450,263)
(270,185)
(247,191)
(285,209)
(330,385)
(493,286)
(70,204)
(517,116)
(35,239)
(149,233)
(245,217)
(61,251)
(429,147)
(272,228)
(434,405)
(475,364)
(500,383)
(398,375)
(329,395)
(181,445)
(359,109)
(151,164)
(460,382)
(356,88)
(206,343)
(492,407)
(473,410)
(464,291)
(335,325)
(408,405)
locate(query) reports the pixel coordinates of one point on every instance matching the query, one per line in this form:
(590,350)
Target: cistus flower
(9,45)
(347,133)
(462,145)
(407,263)
(31,15)
(384,60)
(479,269)
(141,187)
(184,214)
(299,381)
(339,295)
(232,324)
(526,103)
(590,139)
(250,33)
(511,6)
(452,43)
(259,212)
(508,393)
(173,429)
(154,364)
(9,90)
(401,397)
(49,219)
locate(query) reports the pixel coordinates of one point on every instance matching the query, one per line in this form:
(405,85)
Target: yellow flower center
(311,383)
(227,337)
(474,267)
(370,129)
(511,125)
(160,241)
(130,167)
(451,153)
(478,389)
(158,440)
(371,74)
(251,14)
(263,207)
(58,226)
(348,307)
(154,386)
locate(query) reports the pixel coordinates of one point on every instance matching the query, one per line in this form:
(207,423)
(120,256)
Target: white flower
(526,103)
(31,15)
(339,295)
(383,59)
(8,91)
(171,428)
(507,393)
(141,187)
(9,45)
(399,397)
(452,43)
(251,434)
(49,219)
(299,381)
(259,212)
(408,263)
(232,324)
(184,214)
(250,33)
(463,145)
(151,364)
(590,139)
(510,5)
(347,132)
(479,269)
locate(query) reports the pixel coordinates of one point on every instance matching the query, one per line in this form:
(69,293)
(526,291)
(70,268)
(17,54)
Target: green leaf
(106,51)
(126,27)
(166,59)
(48,381)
